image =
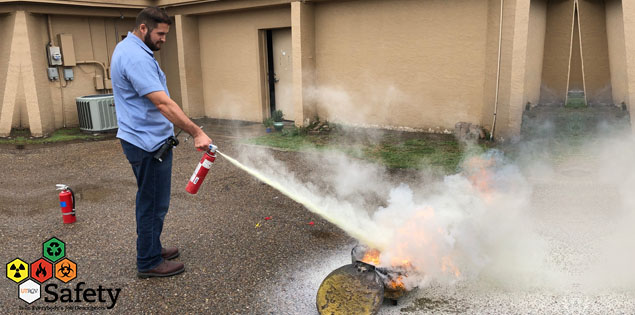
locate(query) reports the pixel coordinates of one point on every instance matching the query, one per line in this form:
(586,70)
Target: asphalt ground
(239,263)
(227,258)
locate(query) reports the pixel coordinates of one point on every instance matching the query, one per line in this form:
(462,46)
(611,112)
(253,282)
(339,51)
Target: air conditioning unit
(96,112)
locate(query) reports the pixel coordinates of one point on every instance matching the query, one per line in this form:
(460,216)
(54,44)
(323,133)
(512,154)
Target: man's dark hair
(151,17)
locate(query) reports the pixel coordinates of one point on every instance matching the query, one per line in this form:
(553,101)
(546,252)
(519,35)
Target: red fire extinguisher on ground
(201,170)
(67,203)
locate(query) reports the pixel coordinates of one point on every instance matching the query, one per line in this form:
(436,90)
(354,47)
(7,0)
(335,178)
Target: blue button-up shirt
(135,73)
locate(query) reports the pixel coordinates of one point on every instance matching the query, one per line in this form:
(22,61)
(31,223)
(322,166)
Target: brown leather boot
(165,269)
(169,253)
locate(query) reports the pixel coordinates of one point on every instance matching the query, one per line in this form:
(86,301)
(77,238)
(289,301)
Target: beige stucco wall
(595,53)
(628,14)
(576,78)
(168,57)
(189,59)
(616,50)
(102,3)
(397,63)
(400,63)
(535,50)
(6,33)
(94,38)
(230,59)
(37,37)
(511,100)
(557,51)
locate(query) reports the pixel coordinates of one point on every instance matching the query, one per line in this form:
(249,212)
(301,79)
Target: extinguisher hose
(72,198)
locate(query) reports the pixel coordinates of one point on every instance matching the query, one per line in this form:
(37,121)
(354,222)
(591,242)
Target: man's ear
(143,29)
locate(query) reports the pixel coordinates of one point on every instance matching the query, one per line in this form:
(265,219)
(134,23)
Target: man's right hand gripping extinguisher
(201,170)
(67,203)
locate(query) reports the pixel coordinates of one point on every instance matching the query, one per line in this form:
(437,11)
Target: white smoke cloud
(465,226)
(537,221)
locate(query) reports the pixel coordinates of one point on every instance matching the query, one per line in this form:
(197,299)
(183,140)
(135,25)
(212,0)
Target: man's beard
(148,41)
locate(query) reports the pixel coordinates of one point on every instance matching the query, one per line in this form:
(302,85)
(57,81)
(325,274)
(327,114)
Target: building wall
(230,59)
(576,78)
(168,56)
(401,63)
(557,51)
(616,50)
(94,39)
(189,59)
(98,3)
(595,54)
(6,33)
(535,50)
(36,25)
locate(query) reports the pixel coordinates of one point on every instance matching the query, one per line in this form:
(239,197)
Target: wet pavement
(239,263)
(227,258)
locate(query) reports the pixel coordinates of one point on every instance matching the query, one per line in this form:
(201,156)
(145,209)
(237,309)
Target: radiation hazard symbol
(17,270)
(65,270)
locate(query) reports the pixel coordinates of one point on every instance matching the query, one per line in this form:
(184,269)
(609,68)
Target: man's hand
(202,141)
(175,114)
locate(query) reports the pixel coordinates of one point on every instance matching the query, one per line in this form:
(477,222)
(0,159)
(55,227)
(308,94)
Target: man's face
(155,38)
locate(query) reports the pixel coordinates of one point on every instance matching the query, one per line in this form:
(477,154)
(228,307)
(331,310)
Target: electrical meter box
(55,56)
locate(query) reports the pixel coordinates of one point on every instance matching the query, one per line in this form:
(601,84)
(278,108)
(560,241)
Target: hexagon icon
(53,249)
(29,291)
(41,270)
(65,270)
(17,270)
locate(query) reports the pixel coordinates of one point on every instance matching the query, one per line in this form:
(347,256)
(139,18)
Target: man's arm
(173,113)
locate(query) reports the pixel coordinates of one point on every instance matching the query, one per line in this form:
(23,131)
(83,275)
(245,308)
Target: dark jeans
(153,200)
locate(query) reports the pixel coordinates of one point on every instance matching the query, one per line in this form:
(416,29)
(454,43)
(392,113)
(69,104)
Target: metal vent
(96,112)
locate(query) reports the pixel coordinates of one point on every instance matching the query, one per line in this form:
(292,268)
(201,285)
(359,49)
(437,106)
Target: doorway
(279,72)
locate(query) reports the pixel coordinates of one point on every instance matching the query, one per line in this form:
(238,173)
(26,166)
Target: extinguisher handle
(72,197)
(61,187)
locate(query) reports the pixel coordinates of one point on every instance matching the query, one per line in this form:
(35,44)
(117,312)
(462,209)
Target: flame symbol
(40,270)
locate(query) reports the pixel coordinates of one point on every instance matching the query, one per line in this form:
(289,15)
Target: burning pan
(359,288)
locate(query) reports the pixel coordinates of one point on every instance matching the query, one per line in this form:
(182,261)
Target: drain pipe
(498,70)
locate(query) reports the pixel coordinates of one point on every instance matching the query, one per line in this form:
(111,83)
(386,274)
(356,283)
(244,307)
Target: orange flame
(371,257)
(397,284)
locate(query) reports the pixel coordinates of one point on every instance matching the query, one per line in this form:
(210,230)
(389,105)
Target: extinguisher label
(63,204)
(195,172)
(195,181)
(207,164)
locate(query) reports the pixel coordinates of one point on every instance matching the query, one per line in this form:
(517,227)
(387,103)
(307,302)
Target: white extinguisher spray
(201,170)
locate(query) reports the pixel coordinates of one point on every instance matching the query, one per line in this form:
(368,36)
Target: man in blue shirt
(146,114)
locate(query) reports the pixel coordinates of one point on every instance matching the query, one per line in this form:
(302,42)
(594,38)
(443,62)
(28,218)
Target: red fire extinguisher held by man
(67,203)
(201,170)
